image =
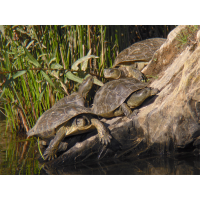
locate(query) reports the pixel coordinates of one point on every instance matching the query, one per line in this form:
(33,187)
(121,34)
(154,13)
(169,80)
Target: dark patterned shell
(54,117)
(140,51)
(74,98)
(114,93)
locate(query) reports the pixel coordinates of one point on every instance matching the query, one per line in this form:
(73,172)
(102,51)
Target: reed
(42,64)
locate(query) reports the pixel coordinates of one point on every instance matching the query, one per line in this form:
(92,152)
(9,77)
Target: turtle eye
(87,121)
(108,71)
(111,70)
(80,122)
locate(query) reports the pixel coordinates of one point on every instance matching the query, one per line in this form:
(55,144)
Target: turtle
(79,97)
(123,72)
(119,96)
(65,120)
(132,60)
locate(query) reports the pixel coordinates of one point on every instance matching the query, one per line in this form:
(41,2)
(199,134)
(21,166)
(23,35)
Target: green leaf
(85,63)
(31,58)
(22,31)
(56,66)
(30,43)
(96,81)
(48,78)
(2,92)
(53,59)
(64,87)
(75,65)
(72,77)
(55,74)
(41,94)
(44,54)
(40,149)
(9,80)
(7,61)
(20,73)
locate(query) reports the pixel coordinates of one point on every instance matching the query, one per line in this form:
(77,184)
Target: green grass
(185,35)
(37,64)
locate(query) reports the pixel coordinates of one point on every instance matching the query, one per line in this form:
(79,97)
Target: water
(19,156)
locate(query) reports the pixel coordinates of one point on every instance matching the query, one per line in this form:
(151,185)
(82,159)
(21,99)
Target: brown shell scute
(114,93)
(55,117)
(140,51)
(74,98)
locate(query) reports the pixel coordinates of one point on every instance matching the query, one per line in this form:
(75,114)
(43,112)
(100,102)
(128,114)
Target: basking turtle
(123,72)
(139,52)
(132,60)
(117,97)
(79,97)
(66,120)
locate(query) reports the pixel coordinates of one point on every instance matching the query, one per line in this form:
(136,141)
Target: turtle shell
(114,93)
(140,51)
(54,117)
(77,97)
(74,98)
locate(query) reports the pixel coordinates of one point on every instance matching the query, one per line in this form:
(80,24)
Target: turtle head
(138,75)
(86,86)
(154,91)
(81,121)
(31,133)
(80,125)
(112,73)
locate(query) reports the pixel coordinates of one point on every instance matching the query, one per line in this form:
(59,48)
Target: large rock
(166,123)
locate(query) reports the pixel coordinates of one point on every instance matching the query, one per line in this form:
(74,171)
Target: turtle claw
(105,140)
(49,154)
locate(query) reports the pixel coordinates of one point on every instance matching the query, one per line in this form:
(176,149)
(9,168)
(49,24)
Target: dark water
(19,156)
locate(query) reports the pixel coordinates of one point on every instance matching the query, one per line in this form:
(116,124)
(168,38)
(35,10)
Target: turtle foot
(133,114)
(105,139)
(49,154)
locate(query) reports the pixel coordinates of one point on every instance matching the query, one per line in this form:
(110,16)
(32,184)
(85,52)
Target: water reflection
(19,156)
(147,166)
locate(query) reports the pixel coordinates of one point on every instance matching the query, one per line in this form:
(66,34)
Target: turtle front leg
(103,132)
(50,152)
(128,112)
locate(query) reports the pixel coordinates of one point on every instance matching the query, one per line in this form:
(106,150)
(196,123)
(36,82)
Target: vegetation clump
(187,35)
